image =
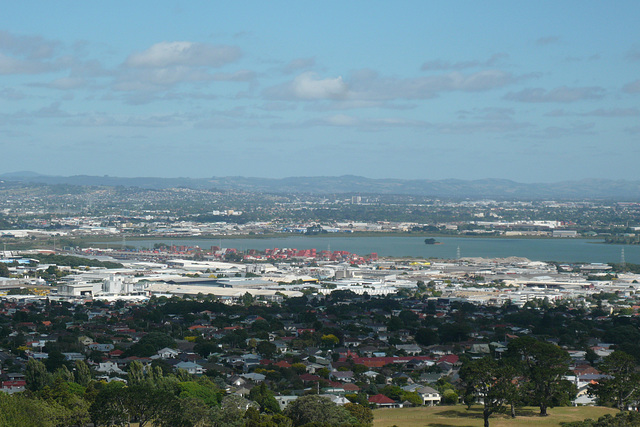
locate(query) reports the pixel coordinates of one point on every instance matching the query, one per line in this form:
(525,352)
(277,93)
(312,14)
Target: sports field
(445,416)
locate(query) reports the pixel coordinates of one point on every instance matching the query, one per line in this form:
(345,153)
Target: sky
(531,91)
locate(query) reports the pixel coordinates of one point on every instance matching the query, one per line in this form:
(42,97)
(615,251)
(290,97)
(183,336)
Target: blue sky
(530,91)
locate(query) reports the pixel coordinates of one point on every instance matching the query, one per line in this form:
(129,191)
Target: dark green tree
(36,375)
(82,373)
(317,409)
(135,372)
(265,398)
(490,381)
(109,407)
(266,348)
(544,365)
(363,414)
(426,336)
(145,404)
(55,360)
(4,270)
(623,385)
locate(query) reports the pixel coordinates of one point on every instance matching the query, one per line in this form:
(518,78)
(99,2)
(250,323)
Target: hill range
(349,184)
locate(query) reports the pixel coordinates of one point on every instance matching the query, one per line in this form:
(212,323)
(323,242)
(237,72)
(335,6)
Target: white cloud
(308,87)
(365,88)
(166,54)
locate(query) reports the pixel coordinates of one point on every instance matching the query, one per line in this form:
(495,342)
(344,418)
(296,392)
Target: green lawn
(445,416)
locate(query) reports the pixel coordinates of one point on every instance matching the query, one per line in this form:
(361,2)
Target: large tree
(490,381)
(544,365)
(623,385)
(265,398)
(82,373)
(317,409)
(36,375)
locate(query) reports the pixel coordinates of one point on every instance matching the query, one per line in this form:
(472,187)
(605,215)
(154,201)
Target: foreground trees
(623,386)
(543,366)
(319,410)
(490,381)
(531,372)
(151,398)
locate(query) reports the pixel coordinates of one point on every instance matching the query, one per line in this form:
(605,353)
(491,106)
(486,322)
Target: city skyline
(536,92)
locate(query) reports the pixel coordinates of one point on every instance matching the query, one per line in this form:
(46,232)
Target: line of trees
(150,397)
(531,372)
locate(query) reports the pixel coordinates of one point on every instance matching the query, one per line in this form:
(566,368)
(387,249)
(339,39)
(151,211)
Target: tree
(36,375)
(17,410)
(623,385)
(622,419)
(544,366)
(425,336)
(109,407)
(247,299)
(4,270)
(265,398)
(449,397)
(64,374)
(205,348)
(232,410)
(55,360)
(145,404)
(150,344)
(135,372)
(184,412)
(203,390)
(317,409)
(490,381)
(363,414)
(266,348)
(330,340)
(67,398)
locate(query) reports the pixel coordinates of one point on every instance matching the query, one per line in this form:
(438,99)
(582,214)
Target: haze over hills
(455,188)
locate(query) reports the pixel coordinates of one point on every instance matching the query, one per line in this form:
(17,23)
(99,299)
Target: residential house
(382,401)
(191,367)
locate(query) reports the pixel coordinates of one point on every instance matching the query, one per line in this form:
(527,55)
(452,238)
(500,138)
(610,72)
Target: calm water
(562,250)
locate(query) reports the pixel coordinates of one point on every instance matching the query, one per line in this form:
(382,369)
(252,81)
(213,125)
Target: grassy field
(445,416)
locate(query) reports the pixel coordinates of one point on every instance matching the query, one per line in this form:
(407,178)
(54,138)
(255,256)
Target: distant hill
(450,188)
